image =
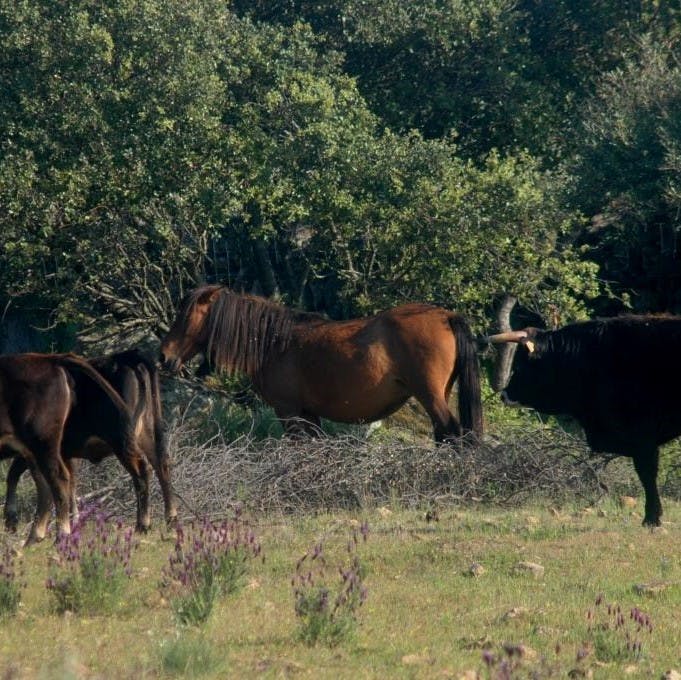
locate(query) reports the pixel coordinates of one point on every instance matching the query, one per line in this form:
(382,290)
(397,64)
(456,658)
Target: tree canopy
(343,156)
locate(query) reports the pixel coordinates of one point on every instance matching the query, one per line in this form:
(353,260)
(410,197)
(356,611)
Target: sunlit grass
(426,614)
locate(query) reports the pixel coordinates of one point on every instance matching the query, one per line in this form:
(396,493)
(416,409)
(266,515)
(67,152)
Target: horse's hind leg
(51,470)
(73,464)
(11,512)
(445,425)
(162,469)
(43,509)
(138,468)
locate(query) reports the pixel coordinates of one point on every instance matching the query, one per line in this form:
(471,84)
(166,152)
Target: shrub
(92,565)
(208,562)
(325,615)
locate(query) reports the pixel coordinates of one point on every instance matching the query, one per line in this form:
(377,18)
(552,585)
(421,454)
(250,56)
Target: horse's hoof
(32,540)
(12,523)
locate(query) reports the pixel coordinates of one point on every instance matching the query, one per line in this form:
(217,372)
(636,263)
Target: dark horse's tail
(468,371)
(148,375)
(160,433)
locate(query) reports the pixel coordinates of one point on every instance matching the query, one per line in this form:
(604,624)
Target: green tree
(151,145)
(629,176)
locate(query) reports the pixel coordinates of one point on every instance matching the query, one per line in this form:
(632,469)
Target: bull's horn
(508,336)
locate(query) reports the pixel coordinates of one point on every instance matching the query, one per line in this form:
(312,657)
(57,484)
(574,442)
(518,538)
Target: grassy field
(441,595)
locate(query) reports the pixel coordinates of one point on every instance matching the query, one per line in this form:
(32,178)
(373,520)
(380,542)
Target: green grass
(425,616)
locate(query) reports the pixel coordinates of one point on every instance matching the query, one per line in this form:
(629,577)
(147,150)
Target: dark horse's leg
(44,501)
(646,463)
(73,465)
(138,468)
(52,470)
(11,512)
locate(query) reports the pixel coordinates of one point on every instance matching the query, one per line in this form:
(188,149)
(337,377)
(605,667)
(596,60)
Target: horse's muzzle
(170,364)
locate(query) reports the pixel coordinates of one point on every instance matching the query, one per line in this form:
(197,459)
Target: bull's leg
(11,512)
(646,463)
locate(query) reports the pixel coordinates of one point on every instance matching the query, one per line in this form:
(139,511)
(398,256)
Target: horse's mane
(245,330)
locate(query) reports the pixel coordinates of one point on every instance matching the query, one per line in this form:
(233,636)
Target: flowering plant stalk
(10,583)
(208,562)
(92,564)
(326,614)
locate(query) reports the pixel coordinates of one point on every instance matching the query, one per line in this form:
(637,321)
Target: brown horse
(91,428)
(308,368)
(38,393)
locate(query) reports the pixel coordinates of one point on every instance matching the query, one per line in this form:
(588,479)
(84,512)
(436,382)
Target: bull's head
(509,342)
(538,378)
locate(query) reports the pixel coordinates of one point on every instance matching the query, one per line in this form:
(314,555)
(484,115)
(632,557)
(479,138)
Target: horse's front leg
(298,423)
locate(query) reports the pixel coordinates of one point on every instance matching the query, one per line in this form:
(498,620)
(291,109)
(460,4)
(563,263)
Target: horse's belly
(359,405)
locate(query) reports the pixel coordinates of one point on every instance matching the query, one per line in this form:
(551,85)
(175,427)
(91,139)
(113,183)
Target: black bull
(620,378)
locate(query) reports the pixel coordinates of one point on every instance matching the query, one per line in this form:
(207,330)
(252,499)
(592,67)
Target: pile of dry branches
(211,477)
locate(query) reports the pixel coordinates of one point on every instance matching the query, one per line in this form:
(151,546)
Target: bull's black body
(620,378)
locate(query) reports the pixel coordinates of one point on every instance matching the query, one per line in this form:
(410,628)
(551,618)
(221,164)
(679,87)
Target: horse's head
(189,334)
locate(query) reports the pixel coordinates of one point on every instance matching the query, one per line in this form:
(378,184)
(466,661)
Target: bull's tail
(467,370)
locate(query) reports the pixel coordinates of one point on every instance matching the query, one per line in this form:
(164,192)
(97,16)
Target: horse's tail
(148,376)
(468,372)
(160,434)
(71,362)
(146,373)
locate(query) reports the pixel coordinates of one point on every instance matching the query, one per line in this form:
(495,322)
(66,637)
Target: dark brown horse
(308,368)
(38,393)
(91,427)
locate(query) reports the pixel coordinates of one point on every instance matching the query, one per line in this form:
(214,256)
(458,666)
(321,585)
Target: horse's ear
(207,295)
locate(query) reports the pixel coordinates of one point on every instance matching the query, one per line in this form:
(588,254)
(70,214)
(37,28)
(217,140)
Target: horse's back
(363,369)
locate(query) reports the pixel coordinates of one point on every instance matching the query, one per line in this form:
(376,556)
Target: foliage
(10,583)
(499,74)
(441,230)
(149,146)
(209,562)
(630,175)
(324,615)
(92,565)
